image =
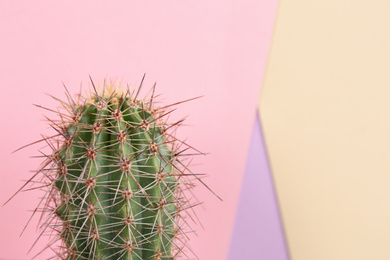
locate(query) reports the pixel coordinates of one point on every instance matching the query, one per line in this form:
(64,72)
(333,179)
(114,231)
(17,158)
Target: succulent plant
(117,179)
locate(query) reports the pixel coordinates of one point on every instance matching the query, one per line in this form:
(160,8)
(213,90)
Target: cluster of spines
(115,180)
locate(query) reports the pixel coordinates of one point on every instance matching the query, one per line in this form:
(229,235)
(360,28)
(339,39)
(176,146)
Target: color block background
(325,110)
(258,232)
(191,48)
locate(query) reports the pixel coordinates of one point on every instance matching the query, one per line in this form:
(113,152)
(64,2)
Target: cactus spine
(116,180)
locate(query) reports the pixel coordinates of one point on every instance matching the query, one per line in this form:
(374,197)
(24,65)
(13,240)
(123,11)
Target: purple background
(258,231)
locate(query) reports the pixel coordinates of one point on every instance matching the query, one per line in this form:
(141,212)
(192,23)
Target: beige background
(325,109)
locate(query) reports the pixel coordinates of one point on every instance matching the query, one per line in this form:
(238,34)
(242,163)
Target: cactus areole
(116,179)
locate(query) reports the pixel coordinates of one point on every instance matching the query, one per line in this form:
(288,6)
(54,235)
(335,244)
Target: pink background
(191,48)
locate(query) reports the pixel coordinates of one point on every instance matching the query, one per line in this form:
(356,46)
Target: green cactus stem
(116,179)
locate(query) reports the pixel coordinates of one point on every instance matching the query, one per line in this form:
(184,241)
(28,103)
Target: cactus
(116,179)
